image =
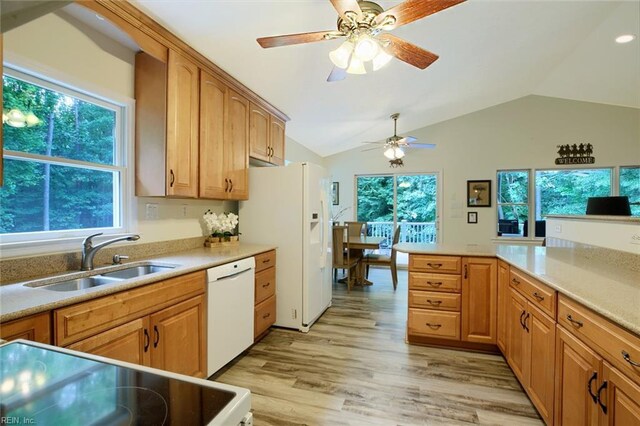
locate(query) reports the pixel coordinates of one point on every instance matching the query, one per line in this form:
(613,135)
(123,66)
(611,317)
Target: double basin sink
(103,278)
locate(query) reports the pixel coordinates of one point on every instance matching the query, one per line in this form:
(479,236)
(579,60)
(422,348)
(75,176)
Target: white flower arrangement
(219,225)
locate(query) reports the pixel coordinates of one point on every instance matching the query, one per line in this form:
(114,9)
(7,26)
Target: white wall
(60,47)
(517,134)
(295,153)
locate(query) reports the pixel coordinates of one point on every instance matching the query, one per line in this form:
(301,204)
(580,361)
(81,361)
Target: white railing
(410,232)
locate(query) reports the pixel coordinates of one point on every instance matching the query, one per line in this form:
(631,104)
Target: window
(512,201)
(63,160)
(630,186)
(567,191)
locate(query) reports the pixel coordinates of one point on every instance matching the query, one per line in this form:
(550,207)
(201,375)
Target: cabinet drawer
(265,316)
(86,319)
(440,264)
(434,282)
(265,260)
(434,300)
(599,332)
(444,325)
(541,295)
(265,284)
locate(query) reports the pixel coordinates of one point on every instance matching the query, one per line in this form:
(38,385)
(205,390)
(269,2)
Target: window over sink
(64,161)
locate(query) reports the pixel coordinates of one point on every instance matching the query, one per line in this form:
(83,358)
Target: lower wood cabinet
(161,325)
(36,328)
(621,405)
(531,352)
(265,294)
(503,304)
(479,299)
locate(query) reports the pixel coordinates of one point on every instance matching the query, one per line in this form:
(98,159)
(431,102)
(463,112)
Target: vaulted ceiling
(490,52)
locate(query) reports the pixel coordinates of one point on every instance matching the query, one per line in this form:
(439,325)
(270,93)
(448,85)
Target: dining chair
(357,228)
(342,259)
(384,260)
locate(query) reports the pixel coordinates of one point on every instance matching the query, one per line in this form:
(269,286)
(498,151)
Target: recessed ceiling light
(626,38)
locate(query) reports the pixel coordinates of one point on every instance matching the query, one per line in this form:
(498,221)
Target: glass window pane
(630,186)
(42,197)
(417,208)
(511,220)
(375,198)
(567,191)
(46,122)
(513,186)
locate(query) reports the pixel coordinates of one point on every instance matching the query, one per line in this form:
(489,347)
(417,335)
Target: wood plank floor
(354,368)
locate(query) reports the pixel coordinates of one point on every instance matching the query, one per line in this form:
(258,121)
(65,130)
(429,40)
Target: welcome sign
(575,154)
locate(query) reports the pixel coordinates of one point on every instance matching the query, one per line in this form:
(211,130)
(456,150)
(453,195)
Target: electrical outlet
(185,210)
(558,229)
(151,211)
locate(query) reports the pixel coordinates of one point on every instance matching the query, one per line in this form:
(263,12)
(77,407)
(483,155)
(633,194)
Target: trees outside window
(630,186)
(63,169)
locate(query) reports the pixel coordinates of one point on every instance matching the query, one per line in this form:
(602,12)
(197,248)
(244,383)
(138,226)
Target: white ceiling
(490,52)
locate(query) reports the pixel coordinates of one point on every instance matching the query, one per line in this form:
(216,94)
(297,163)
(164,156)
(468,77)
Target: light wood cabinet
(621,405)
(503,304)
(265,294)
(36,328)
(479,299)
(161,325)
(531,352)
(578,373)
(266,136)
(224,139)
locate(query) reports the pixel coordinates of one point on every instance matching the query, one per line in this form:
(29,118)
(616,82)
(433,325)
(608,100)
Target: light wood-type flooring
(354,368)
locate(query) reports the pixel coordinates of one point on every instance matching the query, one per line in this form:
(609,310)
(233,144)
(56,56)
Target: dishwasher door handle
(226,277)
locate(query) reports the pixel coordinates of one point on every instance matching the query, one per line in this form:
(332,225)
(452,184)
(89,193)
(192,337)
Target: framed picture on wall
(335,193)
(472,217)
(478,193)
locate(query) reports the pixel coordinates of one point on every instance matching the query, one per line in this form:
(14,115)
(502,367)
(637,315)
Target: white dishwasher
(230,298)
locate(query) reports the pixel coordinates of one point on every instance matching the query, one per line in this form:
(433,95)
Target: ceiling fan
(364,24)
(395,145)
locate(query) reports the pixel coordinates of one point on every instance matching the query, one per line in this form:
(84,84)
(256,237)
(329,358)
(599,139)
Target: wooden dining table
(358,244)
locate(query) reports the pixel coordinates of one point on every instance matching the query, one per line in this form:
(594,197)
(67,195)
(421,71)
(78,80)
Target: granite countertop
(18,301)
(601,285)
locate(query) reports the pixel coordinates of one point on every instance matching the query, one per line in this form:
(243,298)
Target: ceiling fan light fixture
(366,48)
(381,59)
(356,66)
(389,153)
(625,38)
(398,152)
(340,56)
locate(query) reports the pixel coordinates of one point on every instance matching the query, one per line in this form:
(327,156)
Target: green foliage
(630,186)
(567,191)
(70,128)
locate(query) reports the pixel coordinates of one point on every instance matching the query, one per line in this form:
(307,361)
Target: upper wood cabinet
(182,126)
(266,136)
(479,299)
(224,141)
(36,328)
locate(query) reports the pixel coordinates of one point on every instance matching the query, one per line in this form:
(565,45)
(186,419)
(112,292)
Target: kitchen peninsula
(540,306)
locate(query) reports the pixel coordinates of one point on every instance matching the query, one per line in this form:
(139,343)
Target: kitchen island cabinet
(36,328)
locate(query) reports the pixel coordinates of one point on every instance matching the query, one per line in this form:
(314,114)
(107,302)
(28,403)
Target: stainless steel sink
(81,283)
(136,271)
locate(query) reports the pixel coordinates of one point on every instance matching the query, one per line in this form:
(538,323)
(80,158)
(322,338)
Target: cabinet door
(237,145)
(516,335)
(541,331)
(182,126)
(214,181)
(178,337)
(503,303)
(129,342)
(259,121)
(36,328)
(277,141)
(479,299)
(622,399)
(578,374)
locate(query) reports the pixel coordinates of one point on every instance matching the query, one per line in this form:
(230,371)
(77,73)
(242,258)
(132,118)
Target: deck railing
(410,232)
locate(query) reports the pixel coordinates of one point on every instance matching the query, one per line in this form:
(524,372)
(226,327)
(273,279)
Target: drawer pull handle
(524,322)
(173,178)
(434,302)
(574,322)
(267,315)
(433,326)
(146,340)
(537,296)
(435,265)
(434,283)
(266,261)
(157,338)
(591,380)
(602,387)
(266,285)
(515,281)
(627,357)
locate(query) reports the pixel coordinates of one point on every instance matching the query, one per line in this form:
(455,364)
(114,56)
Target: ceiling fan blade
(408,52)
(377,148)
(344,6)
(412,10)
(286,40)
(376,143)
(421,145)
(407,139)
(337,74)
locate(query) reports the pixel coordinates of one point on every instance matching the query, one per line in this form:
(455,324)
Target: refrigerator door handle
(325,228)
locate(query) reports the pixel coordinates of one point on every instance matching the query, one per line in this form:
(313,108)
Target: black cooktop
(45,386)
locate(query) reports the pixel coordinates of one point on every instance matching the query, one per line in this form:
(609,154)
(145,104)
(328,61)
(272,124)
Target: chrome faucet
(89,250)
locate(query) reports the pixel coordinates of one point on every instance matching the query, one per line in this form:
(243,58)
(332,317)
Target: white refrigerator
(288,207)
